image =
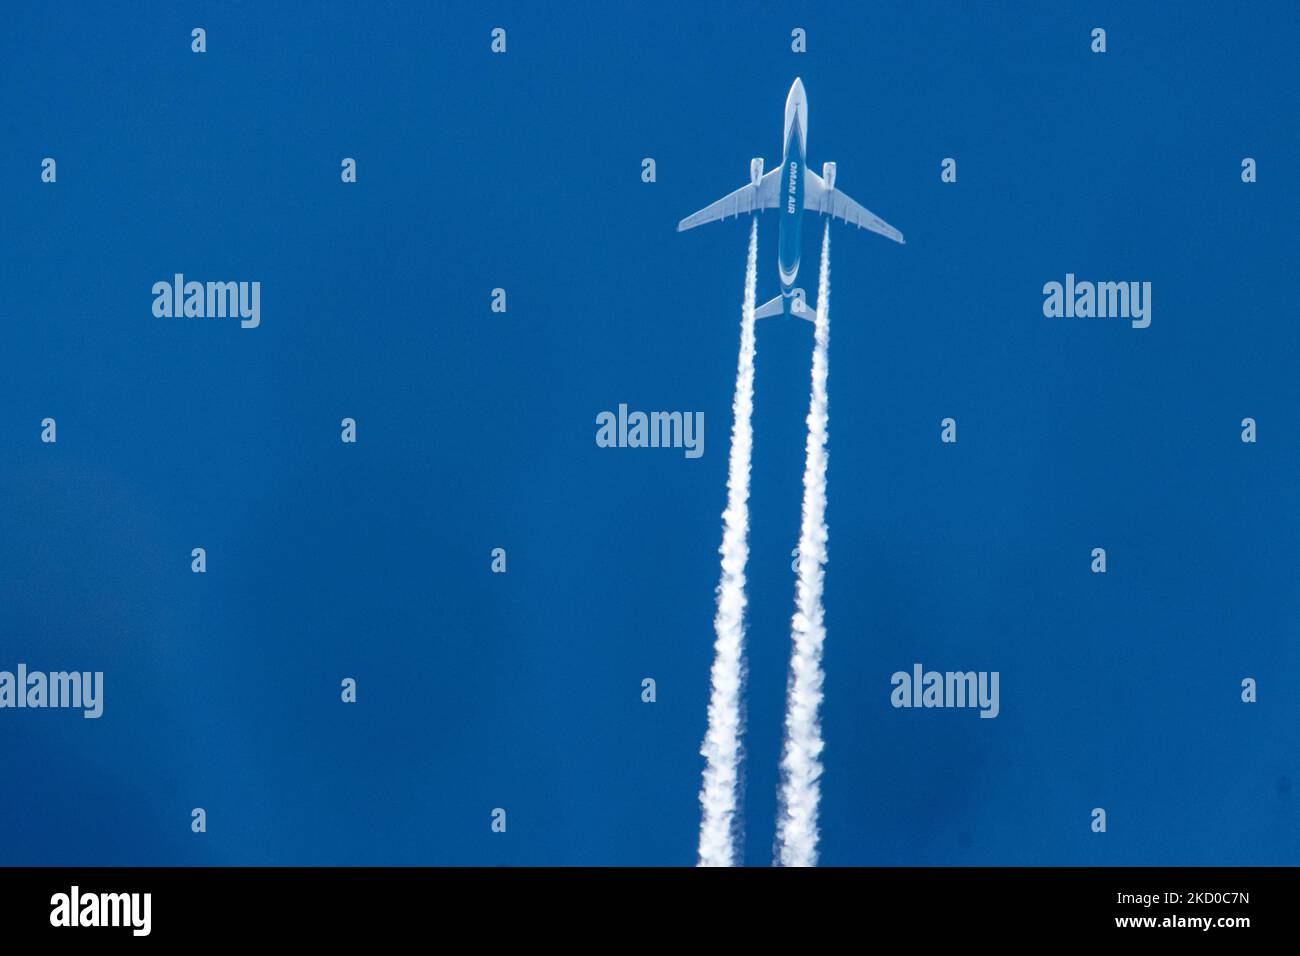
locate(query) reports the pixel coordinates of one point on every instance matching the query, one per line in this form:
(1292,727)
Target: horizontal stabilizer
(770,308)
(792,304)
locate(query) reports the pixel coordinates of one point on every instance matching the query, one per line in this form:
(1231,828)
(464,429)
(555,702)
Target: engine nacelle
(828,174)
(756,170)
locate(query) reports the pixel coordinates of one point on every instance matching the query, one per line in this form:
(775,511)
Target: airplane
(792,188)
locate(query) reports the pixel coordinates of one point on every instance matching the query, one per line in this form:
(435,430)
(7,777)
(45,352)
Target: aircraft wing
(748,198)
(832,202)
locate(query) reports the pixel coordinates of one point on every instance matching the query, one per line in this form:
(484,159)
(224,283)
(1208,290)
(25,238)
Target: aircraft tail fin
(799,307)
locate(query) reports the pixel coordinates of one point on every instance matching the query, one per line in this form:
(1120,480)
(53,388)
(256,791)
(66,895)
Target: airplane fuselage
(789,241)
(791,229)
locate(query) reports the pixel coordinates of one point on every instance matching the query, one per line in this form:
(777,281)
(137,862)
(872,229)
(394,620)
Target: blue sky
(476,430)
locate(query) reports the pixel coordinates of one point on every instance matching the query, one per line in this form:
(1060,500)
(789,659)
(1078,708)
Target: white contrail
(721,748)
(801,759)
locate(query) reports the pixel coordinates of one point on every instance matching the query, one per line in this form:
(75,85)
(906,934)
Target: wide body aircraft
(791,188)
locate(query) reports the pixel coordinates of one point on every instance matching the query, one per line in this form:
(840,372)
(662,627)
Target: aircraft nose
(796,90)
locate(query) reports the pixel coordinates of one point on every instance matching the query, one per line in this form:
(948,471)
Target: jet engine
(828,174)
(756,170)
